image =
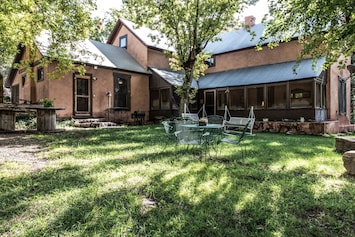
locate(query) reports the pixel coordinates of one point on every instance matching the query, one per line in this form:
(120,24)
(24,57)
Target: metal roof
(272,73)
(235,40)
(147,35)
(95,53)
(119,57)
(172,77)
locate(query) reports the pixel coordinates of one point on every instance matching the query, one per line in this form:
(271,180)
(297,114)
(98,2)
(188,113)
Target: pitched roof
(172,77)
(236,40)
(144,34)
(119,57)
(272,73)
(90,52)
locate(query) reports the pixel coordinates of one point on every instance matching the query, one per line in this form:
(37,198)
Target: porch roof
(172,77)
(273,73)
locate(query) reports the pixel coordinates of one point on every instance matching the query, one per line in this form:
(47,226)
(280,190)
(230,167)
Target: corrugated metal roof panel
(172,77)
(262,74)
(119,57)
(235,40)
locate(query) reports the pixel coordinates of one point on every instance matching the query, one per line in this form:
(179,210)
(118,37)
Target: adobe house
(239,76)
(114,81)
(132,74)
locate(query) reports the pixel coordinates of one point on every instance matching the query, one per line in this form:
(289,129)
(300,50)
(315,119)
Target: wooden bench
(237,124)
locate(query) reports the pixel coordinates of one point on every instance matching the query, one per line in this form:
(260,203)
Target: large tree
(323,27)
(188,25)
(63,22)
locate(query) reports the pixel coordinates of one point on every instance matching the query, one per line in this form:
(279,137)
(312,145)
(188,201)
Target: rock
(343,144)
(349,162)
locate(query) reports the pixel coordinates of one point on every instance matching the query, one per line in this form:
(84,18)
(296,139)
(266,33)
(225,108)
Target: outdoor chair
(235,138)
(169,130)
(215,119)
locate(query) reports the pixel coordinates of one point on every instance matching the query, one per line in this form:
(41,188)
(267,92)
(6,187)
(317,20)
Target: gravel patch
(21,148)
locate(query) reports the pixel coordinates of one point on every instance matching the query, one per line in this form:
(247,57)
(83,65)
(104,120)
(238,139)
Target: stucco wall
(252,57)
(134,46)
(157,58)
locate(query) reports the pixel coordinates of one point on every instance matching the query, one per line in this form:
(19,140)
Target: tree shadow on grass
(17,193)
(240,196)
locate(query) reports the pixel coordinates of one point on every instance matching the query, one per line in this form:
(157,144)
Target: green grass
(133,182)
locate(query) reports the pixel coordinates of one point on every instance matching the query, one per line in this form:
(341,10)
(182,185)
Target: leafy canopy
(188,26)
(323,27)
(64,21)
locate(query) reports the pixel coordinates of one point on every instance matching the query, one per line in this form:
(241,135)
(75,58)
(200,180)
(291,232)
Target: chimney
(249,21)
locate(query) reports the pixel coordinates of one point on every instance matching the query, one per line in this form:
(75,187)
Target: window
(154,100)
(23,80)
(221,99)
(320,95)
(342,96)
(301,96)
(122,89)
(276,97)
(211,62)
(160,99)
(236,99)
(123,41)
(40,74)
(165,98)
(15,94)
(256,97)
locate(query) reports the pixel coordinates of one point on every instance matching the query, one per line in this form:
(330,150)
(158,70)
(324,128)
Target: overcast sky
(258,11)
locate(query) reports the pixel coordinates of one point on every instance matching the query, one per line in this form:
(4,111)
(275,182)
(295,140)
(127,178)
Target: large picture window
(122,95)
(236,99)
(160,99)
(276,96)
(300,94)
(256,97)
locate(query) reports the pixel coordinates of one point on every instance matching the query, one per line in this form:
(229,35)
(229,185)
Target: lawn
(132,181)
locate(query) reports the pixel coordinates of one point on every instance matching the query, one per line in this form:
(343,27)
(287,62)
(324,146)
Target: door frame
(214,101)
(87,113)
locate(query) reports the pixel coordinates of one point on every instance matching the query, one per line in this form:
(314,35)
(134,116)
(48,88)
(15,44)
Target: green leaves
(323,27)
(22,21)
(188,26)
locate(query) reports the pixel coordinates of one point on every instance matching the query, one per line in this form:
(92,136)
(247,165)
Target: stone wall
(296,127)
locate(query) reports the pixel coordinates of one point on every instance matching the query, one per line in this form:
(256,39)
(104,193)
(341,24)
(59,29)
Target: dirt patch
(21,148)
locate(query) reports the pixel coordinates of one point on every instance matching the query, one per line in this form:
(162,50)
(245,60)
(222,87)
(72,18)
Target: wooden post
(7,120)
(46,119)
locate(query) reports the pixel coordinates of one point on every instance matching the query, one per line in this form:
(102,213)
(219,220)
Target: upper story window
(211,62)
(123,41)
(40,74)
(23,80)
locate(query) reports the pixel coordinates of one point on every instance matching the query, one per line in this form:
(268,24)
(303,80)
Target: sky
(257,11)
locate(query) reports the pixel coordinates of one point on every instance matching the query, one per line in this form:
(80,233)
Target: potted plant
(202,121)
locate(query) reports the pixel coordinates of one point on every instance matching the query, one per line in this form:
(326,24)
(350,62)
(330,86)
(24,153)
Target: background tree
(323,27)
(188,26)
(104,25)
(64,22)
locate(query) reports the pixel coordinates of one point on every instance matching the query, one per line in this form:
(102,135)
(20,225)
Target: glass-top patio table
(195,134)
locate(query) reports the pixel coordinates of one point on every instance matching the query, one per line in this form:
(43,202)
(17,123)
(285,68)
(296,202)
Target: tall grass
(134,182)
